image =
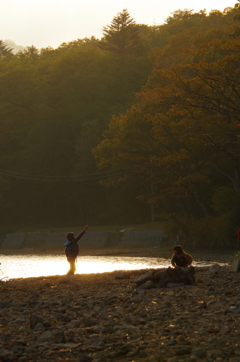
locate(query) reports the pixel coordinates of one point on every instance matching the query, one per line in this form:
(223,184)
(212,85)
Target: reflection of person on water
(180,257)
(72,249)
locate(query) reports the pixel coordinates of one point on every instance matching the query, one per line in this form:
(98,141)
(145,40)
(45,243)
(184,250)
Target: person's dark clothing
(180,257)
(180,261)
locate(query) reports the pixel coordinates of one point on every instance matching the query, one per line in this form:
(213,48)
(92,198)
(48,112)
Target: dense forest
(142,125)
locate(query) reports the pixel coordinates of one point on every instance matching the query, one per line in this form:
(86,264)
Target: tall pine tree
(121,36)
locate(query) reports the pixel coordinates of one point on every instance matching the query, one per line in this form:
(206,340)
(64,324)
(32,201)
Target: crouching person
(180,257)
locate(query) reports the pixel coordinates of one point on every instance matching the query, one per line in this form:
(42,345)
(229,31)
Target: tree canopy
(181,137)
(140,125)
(122,35)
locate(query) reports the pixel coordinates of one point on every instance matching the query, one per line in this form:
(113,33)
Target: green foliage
(122,35)
(224,200)
(164,133)
(5,51)
(188,110)
(54,106)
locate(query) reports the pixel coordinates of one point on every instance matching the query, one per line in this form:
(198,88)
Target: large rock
(148,285)
(46,337)
(144,278)
(235,266)
(177,275)
(215,269)
(34,320)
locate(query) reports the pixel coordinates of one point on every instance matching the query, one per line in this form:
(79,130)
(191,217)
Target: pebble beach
(108,317)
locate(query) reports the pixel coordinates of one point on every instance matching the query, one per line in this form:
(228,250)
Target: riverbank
(101,318)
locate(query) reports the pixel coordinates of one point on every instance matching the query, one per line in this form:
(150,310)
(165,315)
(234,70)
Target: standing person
(72,249)
(180,258)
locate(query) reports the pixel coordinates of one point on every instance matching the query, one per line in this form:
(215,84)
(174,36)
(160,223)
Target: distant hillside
(13,45)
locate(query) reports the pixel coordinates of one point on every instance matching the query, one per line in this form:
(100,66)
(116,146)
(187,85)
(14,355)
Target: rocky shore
(109,317)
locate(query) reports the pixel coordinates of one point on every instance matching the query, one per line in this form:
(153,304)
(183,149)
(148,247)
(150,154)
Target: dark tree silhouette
(122,35)
(4,50)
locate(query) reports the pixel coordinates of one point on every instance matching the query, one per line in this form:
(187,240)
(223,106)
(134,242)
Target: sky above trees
(44,23)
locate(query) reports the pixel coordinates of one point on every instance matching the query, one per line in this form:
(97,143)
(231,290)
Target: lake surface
(25,266)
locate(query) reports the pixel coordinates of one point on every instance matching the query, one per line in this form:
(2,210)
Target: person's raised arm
(81,233)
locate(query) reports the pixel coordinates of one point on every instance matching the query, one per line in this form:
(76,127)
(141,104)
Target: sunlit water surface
(25,266)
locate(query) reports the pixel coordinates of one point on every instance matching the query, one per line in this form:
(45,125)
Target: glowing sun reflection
(25,266)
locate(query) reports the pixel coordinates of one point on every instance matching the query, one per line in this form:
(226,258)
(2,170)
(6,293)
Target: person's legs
(72,264)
